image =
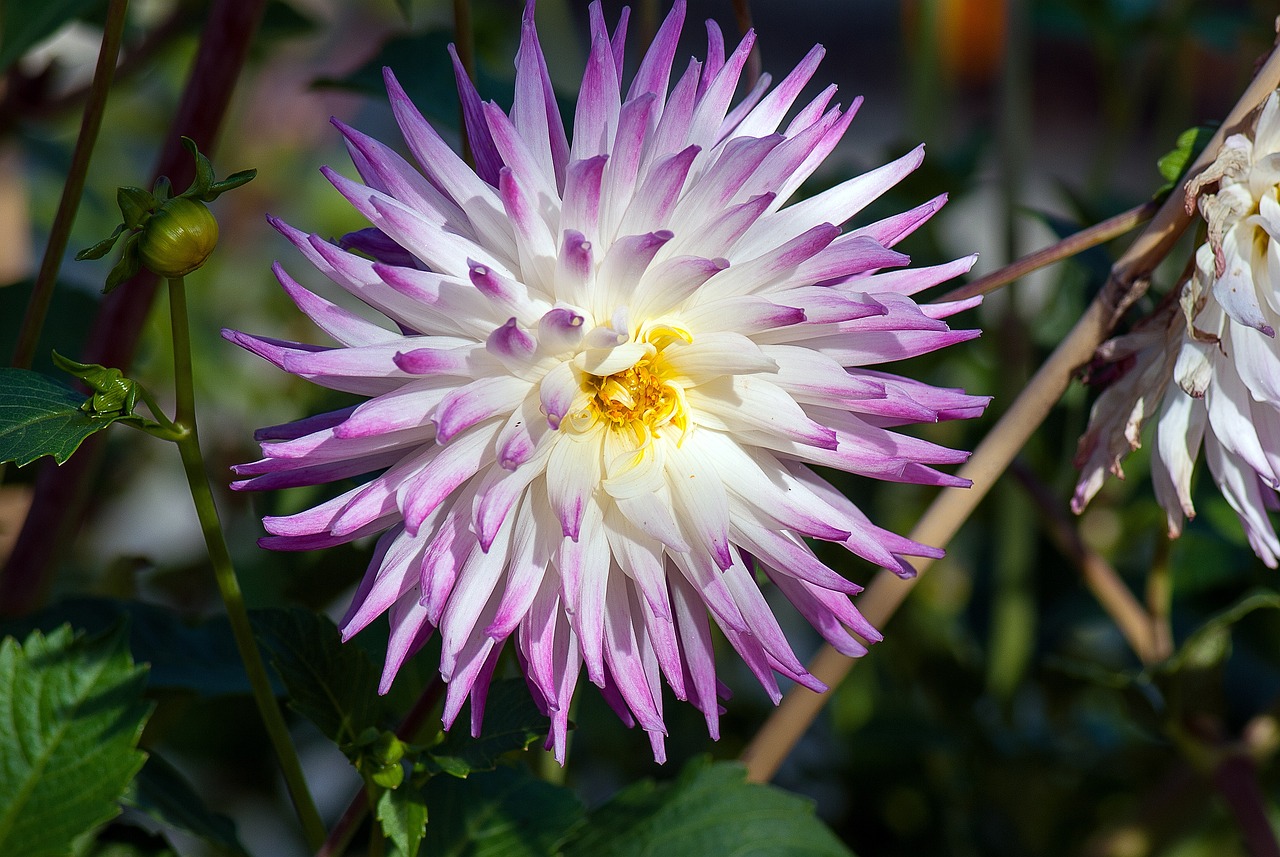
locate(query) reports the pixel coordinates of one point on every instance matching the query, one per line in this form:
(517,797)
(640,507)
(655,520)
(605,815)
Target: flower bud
(178,238)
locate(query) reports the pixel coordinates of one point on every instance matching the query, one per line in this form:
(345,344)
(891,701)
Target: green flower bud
(178,238)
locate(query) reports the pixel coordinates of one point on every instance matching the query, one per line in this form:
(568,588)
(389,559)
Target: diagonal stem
(1099,576)
(947,513)
(1236,779)
(69,204)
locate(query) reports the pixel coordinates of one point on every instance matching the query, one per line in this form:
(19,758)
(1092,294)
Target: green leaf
(70,719)
(162,793)
(708,811)
(136,205)
(403,816)
(512,722)
(335,686)
(231,182)
(1174,163)
(199,658)
(204,170)
(506,812)
(39,416)
(23,25)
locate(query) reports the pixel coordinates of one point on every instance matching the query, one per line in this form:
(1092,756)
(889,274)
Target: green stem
(1159,602)
(60,233)
(169,429)
(224,572)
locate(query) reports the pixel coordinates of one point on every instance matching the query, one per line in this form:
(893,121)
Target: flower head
(1214,368)
(614,360)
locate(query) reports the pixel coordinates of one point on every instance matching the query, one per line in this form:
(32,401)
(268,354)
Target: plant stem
(1099,576)
(225,574)
(1101,233)
(944,517)
(1236,779)
(1159,601)
(60,233)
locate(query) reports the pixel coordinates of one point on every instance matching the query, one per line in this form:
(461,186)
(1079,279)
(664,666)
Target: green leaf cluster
(39,416)
(70,720)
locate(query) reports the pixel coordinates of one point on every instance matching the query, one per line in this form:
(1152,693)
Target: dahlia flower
(1214,368)
(613,362)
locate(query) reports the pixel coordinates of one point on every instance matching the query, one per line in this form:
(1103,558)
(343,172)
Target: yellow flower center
(642,400)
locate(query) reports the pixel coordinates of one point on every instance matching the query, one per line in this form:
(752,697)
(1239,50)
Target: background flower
(615,360)
(1213,368)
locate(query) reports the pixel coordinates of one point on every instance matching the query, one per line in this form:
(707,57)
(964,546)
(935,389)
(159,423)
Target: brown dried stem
(1099,576)
(1100,233)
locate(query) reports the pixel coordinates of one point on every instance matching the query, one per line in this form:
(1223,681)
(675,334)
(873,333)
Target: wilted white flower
(1217,366)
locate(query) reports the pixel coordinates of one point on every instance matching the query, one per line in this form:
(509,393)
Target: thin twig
(1236,779)
(60,233)
(1128,281)
(1100,233)
(1159,601)
(1099,576)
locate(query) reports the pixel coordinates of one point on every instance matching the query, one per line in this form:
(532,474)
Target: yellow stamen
(641,400)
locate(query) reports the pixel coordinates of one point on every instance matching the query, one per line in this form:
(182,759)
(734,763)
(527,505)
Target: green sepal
(162,189)
(231,182)
(377,755)
(204,187)
(136,205)
(204,171)
(128,265)
(103,247)
(114,395)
